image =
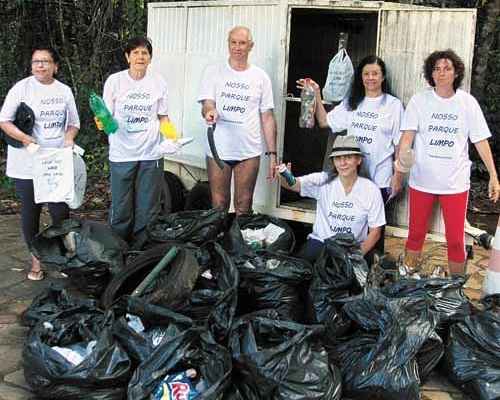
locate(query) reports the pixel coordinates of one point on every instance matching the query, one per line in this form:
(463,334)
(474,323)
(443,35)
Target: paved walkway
(16,293)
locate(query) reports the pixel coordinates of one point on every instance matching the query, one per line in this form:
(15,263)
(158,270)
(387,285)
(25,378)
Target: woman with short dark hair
(137,98)
(439,122)
(56,125)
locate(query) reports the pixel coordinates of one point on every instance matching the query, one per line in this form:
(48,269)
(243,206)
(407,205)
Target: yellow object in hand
(168,130)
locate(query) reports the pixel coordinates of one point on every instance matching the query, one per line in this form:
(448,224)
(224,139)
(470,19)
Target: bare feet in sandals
(36,273)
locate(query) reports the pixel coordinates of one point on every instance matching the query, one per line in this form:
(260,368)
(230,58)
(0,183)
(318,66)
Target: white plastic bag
(53,175)
(339,79)
(80,181)
(59,175)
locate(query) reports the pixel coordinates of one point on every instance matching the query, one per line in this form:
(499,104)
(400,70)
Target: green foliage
(89,36)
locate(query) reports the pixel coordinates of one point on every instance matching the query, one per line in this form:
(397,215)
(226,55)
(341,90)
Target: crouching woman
(346,202)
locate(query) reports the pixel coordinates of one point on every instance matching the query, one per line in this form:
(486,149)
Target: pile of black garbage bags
(213,306)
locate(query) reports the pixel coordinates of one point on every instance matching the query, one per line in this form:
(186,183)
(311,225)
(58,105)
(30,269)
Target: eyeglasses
(43,63)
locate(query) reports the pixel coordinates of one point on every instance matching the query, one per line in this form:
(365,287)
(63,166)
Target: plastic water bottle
(307,105)
(285,173)
(100,111)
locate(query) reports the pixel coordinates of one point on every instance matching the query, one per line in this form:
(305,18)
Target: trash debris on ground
(204,309)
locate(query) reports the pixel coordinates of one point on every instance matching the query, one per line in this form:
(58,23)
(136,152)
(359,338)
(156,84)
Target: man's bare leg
(220,184)
(245,177)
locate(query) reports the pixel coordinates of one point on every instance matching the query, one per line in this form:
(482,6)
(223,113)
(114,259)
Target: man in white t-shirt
(237,100)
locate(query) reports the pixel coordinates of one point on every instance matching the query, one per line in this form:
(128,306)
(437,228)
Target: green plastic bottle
(100,111)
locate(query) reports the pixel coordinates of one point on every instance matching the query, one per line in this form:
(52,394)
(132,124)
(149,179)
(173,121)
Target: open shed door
(406,38)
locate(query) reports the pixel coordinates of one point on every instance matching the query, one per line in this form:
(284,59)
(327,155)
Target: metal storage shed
(293,39)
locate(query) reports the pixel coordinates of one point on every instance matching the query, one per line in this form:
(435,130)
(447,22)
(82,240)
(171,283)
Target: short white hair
(241,28)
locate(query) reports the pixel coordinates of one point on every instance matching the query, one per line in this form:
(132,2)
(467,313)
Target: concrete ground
(16,293)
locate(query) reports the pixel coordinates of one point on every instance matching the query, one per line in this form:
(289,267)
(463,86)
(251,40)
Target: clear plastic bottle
(307,105)
(101,112)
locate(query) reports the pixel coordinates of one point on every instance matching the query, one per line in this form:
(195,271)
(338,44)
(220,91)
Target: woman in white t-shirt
(56,125)
(439,122)
(137,98)
(346,202)
(372,115)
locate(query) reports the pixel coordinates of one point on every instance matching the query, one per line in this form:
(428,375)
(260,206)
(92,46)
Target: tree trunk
(485,40)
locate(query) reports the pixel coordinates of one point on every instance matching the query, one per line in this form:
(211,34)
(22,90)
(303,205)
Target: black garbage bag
(55,302)
(446,295)
(215,294)
(379,360)
(283,360)
(172,286)
(275,281)
(429,356)
(87,251)
(101,375)
(472,355)
(339,272)
(193,348)
(156,324)
(24,120)
(187,226)
(277,233)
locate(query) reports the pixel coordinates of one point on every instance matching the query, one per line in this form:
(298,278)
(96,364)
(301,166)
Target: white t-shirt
(136,105)
(338,212)
(54,108)
(240,98)
(375,124)
(443,127)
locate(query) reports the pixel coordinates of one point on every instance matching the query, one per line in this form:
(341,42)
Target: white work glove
(405,161)
(168,146)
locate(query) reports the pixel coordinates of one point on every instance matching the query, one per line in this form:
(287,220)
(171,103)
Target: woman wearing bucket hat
(439,122)
(346,202)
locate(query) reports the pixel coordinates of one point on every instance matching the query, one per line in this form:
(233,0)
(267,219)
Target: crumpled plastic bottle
(307,105)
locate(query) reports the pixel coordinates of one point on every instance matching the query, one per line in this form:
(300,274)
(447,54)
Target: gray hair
(243,28)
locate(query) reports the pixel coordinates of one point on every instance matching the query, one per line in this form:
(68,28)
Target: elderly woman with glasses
(56,124)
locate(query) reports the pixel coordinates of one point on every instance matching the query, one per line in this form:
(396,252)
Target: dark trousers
(135,196)
(312,250)
(30,211)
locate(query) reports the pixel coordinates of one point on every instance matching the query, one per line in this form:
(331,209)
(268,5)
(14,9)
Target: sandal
(36,275)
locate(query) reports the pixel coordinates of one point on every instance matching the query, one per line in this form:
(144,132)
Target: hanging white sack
(80,178)
(339,79)
(53,175)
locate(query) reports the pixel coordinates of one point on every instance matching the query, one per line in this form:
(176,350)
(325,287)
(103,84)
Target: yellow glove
(168,130)
(98,124)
